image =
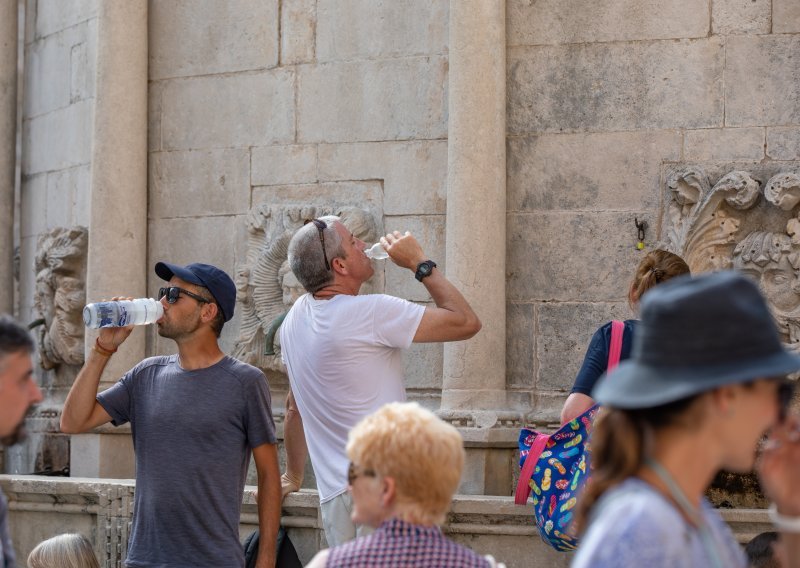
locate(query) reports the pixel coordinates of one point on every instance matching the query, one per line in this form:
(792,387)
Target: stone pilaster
(473,386)
(8,139)
(474,370)
(118,218)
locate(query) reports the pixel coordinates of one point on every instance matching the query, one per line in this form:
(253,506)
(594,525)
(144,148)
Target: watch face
(425,269)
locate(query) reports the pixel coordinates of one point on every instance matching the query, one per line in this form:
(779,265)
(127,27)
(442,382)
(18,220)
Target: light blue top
(633,525)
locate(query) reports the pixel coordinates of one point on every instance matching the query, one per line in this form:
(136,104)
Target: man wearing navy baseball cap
(195,418)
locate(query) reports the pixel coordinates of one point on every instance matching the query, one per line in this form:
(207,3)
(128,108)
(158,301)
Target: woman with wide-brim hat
(705,382)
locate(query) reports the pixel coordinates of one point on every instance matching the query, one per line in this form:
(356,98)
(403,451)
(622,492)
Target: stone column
(118,219)
(473,387)
(9,11)
(474,371)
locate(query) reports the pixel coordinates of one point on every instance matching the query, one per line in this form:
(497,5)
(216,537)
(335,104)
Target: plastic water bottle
(376,252)
(141,311)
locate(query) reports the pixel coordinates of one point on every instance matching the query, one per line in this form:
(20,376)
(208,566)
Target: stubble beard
(20,433)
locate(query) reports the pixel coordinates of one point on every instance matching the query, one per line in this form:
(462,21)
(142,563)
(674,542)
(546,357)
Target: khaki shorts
(339,526)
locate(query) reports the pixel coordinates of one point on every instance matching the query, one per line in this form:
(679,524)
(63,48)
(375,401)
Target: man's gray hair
(305,253)
(13,338)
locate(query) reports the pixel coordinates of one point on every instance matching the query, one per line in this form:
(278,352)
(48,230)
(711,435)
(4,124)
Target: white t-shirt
(344,361)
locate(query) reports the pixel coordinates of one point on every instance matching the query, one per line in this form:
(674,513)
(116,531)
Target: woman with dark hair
(705,383)
(656,267)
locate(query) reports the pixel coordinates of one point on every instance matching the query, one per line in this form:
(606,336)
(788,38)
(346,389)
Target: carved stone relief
(60,295)
(748,220)
(266,286)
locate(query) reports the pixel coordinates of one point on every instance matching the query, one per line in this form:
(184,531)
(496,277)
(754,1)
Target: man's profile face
(18,392)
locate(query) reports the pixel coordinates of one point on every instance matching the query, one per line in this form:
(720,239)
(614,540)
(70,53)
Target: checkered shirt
(397,544)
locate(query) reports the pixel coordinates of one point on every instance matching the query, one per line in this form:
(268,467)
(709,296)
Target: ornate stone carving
(729,225)
(266,286)
(60,295)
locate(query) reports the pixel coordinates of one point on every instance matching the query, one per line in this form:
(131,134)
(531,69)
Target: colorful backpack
(555,467)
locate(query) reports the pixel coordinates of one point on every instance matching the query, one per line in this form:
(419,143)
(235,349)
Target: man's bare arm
(453,318)
(269,503)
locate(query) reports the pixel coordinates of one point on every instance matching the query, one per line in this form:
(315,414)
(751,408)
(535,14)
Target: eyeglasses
(173,293)
(352,474)
(321,226)
(785,392)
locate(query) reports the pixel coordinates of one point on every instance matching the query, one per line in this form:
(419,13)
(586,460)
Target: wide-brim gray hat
(696,334)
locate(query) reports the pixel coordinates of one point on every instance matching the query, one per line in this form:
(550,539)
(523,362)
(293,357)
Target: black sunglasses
(785,392)
(352,474)
(173,293)
(321,226)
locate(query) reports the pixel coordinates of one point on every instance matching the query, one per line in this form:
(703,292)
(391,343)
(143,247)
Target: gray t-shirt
(6,548)
(192,432)
(633,525)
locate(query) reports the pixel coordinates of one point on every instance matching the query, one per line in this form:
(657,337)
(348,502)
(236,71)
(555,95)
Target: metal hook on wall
(640,230)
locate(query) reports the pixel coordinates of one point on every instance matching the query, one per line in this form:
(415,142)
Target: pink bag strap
(523,487)
(615,349)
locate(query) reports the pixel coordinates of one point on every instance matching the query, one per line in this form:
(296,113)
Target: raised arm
(296,450)
(453,318)
(81,410)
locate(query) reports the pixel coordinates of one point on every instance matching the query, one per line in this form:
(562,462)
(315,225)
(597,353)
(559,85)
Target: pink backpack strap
(615,349)
(523,485)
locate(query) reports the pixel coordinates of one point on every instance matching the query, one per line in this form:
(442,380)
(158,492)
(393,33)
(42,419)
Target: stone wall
(600,98)
(100,509)
(297,103)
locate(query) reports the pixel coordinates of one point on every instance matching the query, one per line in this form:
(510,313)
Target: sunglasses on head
(321,226)
(172,294)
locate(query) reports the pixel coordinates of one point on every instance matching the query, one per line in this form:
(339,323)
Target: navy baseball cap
(217,281)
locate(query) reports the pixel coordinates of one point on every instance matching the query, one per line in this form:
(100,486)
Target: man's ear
(723,399)
(338,266)
(210,311)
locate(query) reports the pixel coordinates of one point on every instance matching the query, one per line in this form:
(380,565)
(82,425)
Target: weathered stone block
(563,335)
(414,173)
(595,170)
(68,194)
(155,91)
(55,15)
(512,550)
(520,339)
(223,36)
(585,21)
(58,140)
(621,86)
(196,182)
(351,29)
(783,143)
(33,206)
(284,165)
(572,255)
(785,16)
(761,87)
(298,25)
(364,194)
(373,100)
(422,365)
(231,111)
(724,144)
(740,16)
(54,64)
(429,230)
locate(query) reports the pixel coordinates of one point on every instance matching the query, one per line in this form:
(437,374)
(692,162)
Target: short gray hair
(305,253)
(64,551)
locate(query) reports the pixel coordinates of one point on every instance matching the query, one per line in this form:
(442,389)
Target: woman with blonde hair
(705,382)
(69,550)
(656,267)
(405,467)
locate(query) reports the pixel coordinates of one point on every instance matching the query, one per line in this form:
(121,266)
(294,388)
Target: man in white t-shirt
(343,351)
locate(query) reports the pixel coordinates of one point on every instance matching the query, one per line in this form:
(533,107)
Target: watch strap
(424,269)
